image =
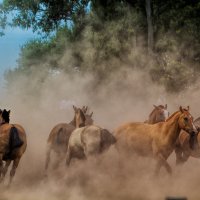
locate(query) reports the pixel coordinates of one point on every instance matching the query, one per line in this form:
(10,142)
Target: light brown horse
(12,144)
(156,140)
(88,141)
(59,135)
(158,114)
(187,145)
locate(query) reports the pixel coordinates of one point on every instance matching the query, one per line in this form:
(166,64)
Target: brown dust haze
(128,96)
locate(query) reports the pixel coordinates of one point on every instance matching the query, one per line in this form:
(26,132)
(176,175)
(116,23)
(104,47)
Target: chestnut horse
(158,114)
(87,141)
(187,146)
(12,144)
(156,140)
(59,135)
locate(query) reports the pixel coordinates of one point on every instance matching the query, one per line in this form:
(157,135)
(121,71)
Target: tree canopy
(97,33)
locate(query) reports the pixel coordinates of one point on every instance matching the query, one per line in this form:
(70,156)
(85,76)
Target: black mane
(6,115)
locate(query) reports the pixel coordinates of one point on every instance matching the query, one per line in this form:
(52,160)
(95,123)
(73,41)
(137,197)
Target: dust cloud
(128,95)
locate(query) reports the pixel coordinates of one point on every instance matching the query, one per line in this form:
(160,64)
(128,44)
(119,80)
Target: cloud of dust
(128,95)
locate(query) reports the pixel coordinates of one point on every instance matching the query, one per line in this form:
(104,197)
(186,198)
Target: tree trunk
(150,26)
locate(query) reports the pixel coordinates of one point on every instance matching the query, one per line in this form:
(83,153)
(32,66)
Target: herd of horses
(156,137)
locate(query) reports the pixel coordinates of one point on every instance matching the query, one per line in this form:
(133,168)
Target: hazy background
(101,60)
(112,105)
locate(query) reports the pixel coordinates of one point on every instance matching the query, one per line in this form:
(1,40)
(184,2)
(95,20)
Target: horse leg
(60,156)
(161,161)
(1,167)
(14,167)
(178,152)
(48,152)
(5,169)
(185,156)
(68,157)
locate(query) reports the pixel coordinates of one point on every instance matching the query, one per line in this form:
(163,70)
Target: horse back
(60,134)
(135,128)
(138,136)
(14,138)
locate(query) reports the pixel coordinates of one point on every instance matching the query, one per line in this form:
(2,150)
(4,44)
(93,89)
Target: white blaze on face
(194,127)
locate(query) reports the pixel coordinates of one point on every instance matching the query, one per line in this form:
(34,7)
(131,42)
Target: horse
(12,144)
(158,114)
(88,141)
(59,135)
(154,140)
(187,146)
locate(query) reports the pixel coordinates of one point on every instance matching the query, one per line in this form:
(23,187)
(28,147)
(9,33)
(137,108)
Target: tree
(150,26)
(2,20)
(44,15)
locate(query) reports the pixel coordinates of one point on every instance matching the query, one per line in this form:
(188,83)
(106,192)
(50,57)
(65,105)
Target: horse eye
(186,119)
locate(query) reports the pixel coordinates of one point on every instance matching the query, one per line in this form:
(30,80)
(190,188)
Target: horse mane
(171,116)
(82,115)
(6,116)
(175,114)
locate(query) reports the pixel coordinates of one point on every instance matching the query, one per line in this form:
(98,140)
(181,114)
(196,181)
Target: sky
(10,45)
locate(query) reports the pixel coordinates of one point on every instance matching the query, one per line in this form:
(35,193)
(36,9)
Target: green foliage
(103,37)
(44,15)
(176,76)
(2,20)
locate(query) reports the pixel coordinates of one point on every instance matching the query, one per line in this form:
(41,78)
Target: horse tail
(107,139)
(14,141)
(61,136)
(48,152)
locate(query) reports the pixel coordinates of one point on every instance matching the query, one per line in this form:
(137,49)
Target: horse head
(88,117)
(4,116)
(84,109)
(1,118)
(186,121)
(159,114)
(79,117)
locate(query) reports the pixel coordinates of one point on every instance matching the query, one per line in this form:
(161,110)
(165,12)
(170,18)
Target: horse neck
(173,128)
(73,122)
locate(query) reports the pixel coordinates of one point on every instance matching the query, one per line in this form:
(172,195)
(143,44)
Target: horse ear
(91,114)
(75,108)
(84,109)
(155,106)
(181,109)
(165,106)
(188,108)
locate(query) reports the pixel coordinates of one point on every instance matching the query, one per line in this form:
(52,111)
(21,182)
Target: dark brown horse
(59,135)
(187,145)
(158,114)
(154,140)
(88,141)
(12,144)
